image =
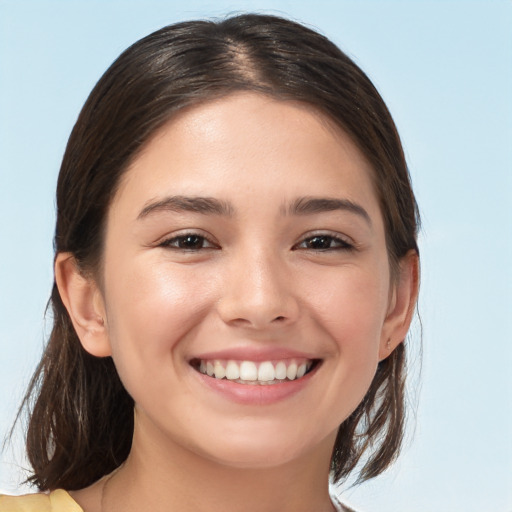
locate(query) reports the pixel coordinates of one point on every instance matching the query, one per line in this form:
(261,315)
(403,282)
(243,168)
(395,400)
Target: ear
(401,306)
(84,303)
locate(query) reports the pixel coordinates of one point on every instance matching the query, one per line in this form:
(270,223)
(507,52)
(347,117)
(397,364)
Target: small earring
(388,344)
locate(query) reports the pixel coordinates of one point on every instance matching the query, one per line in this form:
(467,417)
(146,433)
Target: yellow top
(61,501)
(56,501)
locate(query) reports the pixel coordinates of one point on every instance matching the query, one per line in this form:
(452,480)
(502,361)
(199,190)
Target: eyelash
(175,241)
(341,244)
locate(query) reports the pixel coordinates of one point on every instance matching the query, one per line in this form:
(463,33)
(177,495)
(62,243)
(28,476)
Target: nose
(258,293)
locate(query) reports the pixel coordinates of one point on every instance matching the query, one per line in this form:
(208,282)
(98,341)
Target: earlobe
(402,305)
(84,303)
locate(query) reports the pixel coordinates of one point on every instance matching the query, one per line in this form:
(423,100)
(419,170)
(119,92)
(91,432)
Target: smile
(255,373)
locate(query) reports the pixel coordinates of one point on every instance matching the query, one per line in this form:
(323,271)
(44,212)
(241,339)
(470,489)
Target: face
(246,285)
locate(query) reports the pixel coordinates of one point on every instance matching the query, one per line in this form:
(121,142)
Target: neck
(165,477)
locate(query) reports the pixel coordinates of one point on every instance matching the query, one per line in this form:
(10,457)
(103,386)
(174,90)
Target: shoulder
(56,501)
(27,503)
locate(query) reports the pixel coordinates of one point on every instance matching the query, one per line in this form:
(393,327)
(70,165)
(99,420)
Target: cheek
(150,308)
(351,307)
(347,308)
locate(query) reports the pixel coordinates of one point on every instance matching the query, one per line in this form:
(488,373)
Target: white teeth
(280,371)
(291,371)
(220,371)
(232,371)
(266,372)
(248,371)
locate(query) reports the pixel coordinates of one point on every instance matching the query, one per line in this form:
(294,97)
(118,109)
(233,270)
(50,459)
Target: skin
(259,279)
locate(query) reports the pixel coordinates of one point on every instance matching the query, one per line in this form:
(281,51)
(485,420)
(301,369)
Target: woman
(236,271)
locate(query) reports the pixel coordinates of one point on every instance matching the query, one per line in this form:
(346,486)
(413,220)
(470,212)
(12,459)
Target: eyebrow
(204,205)
(213,206)
(312,205)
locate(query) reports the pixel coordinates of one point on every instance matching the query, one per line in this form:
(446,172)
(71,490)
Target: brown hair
(81,420)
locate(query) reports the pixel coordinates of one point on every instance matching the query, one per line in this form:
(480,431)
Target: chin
(265,448)
(255,458)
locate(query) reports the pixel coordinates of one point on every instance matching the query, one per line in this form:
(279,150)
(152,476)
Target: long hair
(81,417)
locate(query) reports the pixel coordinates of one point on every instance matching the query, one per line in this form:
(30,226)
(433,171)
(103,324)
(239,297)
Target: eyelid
(166,240)
(345,241)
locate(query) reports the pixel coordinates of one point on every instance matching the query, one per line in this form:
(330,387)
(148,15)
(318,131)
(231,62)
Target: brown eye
(188,242)
(323,243)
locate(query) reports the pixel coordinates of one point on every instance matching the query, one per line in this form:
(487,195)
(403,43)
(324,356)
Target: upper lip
(254,354)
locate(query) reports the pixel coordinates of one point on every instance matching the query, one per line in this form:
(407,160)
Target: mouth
(255,373)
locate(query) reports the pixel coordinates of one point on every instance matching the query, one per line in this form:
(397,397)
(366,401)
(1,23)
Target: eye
(189,242)
(324,242)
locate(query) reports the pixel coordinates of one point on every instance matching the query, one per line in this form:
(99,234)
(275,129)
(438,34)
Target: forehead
(248,145)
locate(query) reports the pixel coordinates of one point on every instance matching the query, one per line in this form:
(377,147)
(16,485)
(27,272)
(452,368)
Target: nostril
(279,318)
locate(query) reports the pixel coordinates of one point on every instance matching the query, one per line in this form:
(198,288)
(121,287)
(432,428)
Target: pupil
(319,242)
(191,242)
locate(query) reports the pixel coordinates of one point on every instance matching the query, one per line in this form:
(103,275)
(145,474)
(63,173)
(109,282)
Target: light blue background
(445,70)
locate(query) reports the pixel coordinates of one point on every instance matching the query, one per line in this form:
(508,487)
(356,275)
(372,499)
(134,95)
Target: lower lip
(253,394)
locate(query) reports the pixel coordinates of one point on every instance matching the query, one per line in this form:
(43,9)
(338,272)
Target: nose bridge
(259,290)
